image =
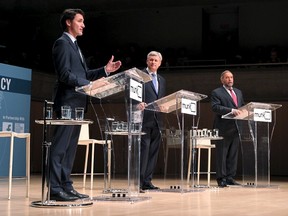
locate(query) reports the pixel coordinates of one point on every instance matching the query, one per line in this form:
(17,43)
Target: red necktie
(234,97)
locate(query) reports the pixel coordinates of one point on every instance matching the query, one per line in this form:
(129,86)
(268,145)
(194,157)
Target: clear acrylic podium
(181,102)
(131,83)
(256,131)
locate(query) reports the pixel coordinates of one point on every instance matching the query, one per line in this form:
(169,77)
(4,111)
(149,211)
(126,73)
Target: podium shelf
(63,121)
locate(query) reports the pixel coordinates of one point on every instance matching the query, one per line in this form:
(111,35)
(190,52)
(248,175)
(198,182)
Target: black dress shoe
(222,182)
(63,196)
(231,181)
(149,186)
(76,194)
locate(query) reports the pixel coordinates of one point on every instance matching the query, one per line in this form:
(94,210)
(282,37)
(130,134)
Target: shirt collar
(228,89)
(150,73)
(70,36)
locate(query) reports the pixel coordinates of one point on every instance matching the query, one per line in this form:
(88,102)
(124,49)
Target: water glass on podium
(65,112)
(49,112)
(79,113)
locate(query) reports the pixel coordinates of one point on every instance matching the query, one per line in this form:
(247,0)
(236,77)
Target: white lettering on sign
(262,115)
(135,90)
(5,84)
(189,106)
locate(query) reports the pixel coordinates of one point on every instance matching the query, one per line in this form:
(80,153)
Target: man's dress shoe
(222,182)
(77,194)
(63,196)
(232,182)
(149,186)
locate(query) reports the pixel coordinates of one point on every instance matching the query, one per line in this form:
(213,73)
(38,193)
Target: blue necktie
(155,82)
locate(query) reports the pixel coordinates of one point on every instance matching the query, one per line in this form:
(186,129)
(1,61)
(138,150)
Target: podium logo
(189,106)
(262,115)
(135,90)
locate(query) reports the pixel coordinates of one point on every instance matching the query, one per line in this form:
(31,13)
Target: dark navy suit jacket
(71,72)
(222,103)
(150,95)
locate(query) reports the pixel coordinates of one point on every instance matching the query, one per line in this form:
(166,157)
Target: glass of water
(79,113)
(65,112)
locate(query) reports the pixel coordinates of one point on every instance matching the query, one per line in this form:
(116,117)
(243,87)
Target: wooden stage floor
(216,201)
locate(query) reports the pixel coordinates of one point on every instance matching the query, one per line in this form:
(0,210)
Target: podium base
(260,186)
(121,198)
(202,186)
(57,204)
(179,190)
(115,190)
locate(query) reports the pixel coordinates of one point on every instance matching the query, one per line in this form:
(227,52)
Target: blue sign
(15,98)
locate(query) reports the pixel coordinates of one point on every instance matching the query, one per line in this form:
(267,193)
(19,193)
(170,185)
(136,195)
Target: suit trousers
(150,145)
(227,156)
(62,155)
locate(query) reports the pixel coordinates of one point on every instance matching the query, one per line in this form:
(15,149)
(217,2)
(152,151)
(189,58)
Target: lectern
(256,124)
(181,102)
(131,82)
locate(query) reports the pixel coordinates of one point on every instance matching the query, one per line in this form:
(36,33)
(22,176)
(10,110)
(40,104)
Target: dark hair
(69,14)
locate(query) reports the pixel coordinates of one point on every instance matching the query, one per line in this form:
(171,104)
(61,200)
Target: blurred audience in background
(130,55)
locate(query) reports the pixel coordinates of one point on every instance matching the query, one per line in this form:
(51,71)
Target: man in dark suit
(72,71)
(226,99)
(150,142)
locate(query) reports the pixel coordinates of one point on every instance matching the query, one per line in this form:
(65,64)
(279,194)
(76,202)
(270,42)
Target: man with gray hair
(226,99)
(152,123)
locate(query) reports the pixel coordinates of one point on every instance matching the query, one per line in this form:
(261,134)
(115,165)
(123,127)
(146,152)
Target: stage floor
(205,202)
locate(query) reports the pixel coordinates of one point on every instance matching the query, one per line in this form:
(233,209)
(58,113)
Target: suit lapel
(77,52)
(152,85)
(228,95)
(81,59)
(230,98)
(237,95)
(159,85)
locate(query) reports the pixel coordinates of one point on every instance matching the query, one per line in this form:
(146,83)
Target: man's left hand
(112,66)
